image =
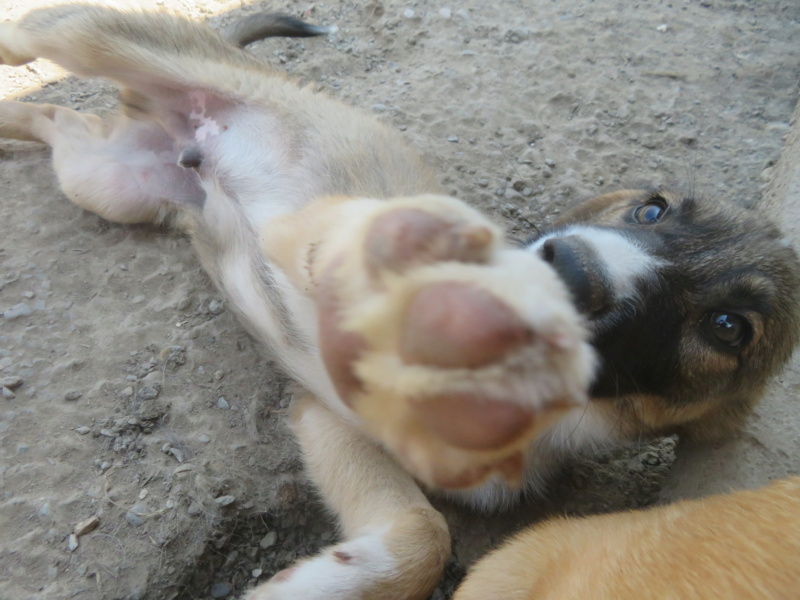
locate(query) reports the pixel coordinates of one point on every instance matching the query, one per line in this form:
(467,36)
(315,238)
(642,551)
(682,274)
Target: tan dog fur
(741,546)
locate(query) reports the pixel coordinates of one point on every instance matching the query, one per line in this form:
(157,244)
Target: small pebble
(82,430)
(72,543)
(378,108)
(17,311)
(223,404)
(86,526)
(408,13)
(147,392)
(134,515)
(225,500)
(256,573)
(268,540)
(445,13)
(220,590)
(7,393)
(453,139)
(215,307)
(72,396)
(12,382)
(662,28)
(652,459)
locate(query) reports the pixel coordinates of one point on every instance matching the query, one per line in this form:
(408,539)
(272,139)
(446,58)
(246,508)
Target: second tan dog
(742,546)
(431,350)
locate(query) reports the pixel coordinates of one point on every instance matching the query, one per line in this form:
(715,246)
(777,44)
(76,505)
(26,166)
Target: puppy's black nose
(579,267)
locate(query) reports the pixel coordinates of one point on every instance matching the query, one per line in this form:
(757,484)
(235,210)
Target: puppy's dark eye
(729,328)
(650,212)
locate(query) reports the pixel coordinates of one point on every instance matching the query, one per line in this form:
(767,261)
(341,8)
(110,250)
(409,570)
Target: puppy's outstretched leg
(120,169)
(396,544)
(181,75)
(453,349)
(134,48)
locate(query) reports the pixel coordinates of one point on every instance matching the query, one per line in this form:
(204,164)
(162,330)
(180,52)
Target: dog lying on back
(431,350)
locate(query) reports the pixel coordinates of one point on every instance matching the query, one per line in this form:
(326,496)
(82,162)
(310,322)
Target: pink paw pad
(410,237)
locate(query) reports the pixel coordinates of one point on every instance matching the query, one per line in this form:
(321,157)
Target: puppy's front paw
(343,572)
(454,349)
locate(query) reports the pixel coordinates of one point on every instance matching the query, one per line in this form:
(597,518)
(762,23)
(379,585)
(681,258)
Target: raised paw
(454,349)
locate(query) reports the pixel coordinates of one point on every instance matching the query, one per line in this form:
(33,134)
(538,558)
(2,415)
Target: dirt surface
(143,403)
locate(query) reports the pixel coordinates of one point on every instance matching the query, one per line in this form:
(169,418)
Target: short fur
(428,347)
(742,546)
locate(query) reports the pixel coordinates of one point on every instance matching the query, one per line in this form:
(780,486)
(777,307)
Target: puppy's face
(691,304)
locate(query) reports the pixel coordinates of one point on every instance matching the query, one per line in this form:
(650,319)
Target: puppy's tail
(264,24)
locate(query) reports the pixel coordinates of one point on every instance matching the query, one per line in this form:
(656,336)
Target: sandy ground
(143,402)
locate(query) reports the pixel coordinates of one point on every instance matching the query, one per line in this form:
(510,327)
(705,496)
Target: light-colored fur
(742,546)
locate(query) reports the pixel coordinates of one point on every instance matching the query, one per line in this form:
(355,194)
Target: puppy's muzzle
(579,267)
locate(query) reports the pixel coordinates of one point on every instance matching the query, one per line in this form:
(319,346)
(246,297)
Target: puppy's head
(692,305)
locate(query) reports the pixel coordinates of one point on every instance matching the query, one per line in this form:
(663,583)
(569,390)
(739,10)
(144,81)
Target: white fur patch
(208,126)
(343,572)
(625,261)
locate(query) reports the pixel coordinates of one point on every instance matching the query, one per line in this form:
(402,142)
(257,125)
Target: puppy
(740,546)
(430,349)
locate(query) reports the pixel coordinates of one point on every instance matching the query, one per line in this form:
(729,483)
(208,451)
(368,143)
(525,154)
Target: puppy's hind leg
(120,169)
(396,544)
(156,55)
